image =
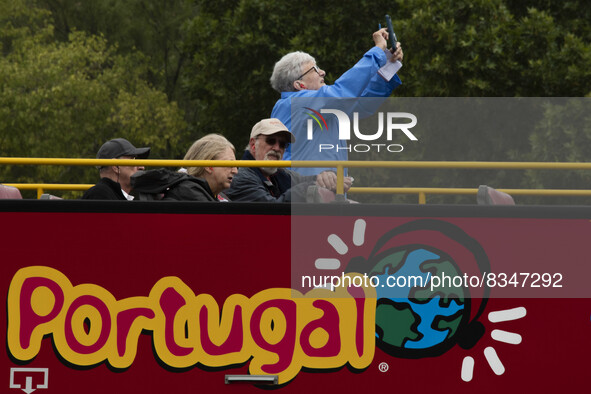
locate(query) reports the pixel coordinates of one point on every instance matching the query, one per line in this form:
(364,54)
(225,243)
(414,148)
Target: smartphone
(391,33)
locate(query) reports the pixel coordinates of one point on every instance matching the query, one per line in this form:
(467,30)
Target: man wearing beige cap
(268,140)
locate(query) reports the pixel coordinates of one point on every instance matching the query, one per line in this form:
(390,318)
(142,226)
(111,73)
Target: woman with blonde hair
(195,183)
(217,179)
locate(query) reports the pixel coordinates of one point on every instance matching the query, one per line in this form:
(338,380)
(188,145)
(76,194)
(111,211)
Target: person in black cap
(115,181)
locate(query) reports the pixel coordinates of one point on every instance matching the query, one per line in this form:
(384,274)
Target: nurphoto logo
(391,130)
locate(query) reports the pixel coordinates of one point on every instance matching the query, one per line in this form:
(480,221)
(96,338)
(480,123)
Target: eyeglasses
(274,140)
(315,68)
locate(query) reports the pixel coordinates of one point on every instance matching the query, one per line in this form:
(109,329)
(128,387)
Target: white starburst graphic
(333,264)
(467,372)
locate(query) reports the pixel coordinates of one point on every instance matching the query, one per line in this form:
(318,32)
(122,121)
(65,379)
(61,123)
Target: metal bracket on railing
(254,379)
(340,198)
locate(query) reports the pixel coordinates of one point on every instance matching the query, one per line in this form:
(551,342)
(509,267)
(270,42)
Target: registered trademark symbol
(383,367)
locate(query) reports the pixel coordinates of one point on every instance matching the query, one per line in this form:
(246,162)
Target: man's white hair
(288,69)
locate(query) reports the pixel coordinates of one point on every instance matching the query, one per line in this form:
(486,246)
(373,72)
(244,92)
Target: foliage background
(163,73)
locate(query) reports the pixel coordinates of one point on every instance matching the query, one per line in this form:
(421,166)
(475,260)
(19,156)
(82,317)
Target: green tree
(64,99)
(476,49)
(153,27)
(572,15)
(563,134)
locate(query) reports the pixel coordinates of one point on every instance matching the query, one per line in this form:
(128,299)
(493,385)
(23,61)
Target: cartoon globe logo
(414,318)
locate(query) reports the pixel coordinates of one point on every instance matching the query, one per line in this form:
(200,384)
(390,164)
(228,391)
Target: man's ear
(298,85)
(251,144)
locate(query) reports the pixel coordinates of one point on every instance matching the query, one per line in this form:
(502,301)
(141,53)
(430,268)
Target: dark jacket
(105,189)
(164,184)
(250,184)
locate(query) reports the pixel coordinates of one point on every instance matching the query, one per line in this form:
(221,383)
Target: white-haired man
(296,75)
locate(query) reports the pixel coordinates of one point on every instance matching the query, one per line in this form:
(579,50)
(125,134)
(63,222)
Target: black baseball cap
(121,147)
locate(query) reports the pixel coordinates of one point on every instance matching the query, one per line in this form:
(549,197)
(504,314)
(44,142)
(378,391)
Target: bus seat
(47,196)
(490,196)
(9,192)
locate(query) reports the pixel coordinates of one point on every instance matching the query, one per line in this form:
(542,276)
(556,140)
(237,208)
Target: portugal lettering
(279,330)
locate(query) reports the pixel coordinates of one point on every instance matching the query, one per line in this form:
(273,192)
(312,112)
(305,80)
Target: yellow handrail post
(422,198)
(340,179)
(39,193)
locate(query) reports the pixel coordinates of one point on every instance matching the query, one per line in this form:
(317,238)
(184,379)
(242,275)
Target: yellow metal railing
(422,192)
(42,187)
(339,165)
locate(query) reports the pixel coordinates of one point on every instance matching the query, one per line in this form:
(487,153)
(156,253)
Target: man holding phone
(297,75)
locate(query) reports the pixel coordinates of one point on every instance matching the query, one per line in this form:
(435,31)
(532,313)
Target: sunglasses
(315,68)
(274,140)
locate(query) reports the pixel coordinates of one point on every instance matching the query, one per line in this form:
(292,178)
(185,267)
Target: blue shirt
(362,80)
